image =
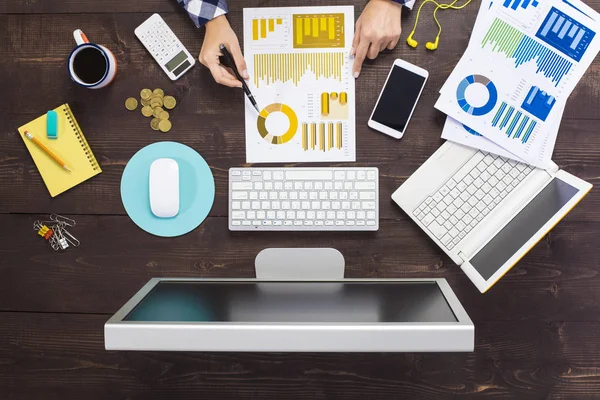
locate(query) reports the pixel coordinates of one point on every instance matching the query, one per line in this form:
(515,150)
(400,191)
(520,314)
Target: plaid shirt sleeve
(406,3)
(202,11)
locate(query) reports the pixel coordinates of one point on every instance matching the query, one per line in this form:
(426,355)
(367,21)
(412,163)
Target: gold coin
(147,111)
(169,102)
(156,112)
(145,102)
(156,102)
(145,94)
(164,125)
(163,115)
(158,92)
(154,123)
(131,104)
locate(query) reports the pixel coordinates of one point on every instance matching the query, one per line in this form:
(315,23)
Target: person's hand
(218,31)
(377,28)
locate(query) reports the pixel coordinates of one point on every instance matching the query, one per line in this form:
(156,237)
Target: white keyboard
(304,199)
(472,193)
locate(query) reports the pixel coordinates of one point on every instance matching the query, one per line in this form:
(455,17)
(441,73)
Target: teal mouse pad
(196,189)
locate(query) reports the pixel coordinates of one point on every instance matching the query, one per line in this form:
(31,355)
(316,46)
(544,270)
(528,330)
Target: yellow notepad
(70,145)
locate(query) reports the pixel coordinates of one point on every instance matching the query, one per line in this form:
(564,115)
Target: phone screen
(398,98)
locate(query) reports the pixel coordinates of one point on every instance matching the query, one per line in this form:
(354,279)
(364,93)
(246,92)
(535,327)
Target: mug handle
(80,37)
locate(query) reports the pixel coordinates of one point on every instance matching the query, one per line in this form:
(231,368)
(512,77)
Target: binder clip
(55,232)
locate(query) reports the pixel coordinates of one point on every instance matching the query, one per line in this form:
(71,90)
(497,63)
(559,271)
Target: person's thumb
(238,58)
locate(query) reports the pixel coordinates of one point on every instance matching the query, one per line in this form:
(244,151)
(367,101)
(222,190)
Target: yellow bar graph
(254,29)
(263,28)
(292,66)
(330,131)
(314,31)
(271,25)
(331,31)
(322,136)
(279,21)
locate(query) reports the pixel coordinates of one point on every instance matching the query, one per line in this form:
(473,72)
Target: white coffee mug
(91,65)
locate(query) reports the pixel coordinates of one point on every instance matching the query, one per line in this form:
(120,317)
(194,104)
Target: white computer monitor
(345,315)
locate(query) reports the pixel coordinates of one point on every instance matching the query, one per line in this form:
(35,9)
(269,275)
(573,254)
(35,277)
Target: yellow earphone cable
(442,6)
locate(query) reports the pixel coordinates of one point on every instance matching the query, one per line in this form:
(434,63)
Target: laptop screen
(520,229)
(282,302)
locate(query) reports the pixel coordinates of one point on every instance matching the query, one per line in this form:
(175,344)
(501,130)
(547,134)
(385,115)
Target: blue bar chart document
(510,87)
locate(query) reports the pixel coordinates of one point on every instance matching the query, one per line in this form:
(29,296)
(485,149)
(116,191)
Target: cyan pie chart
(463,102)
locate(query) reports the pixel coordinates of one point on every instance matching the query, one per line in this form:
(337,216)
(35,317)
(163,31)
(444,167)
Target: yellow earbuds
(432,45)
(410,41)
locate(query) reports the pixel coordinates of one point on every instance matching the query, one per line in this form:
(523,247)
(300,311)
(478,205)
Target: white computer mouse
(164,187)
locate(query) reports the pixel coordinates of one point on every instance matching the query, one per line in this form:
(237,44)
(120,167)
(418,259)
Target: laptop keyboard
(467,197)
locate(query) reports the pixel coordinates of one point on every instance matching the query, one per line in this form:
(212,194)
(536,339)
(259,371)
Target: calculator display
(175,61)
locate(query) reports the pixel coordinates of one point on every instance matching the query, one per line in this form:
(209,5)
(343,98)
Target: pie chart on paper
(473,106)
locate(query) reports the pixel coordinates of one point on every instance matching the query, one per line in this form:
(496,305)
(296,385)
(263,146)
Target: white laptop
(486,212)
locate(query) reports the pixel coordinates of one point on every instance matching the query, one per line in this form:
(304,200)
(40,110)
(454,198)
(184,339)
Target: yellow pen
(46,150)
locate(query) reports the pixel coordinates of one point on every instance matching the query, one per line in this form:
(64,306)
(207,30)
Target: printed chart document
(523,61)
(301,76)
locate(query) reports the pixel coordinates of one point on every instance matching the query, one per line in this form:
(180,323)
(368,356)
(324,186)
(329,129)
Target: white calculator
(167,50)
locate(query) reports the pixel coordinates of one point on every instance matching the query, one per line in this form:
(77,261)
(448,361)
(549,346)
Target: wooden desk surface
(537,331)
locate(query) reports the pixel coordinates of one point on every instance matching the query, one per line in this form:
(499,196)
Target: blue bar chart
(565,34)
(513,122)
(514,44)
(514,4)
(538,103)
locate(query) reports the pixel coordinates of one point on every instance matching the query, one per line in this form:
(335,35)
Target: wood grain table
(537,331)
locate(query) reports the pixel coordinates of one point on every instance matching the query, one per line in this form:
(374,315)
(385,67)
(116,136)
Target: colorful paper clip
(55,232)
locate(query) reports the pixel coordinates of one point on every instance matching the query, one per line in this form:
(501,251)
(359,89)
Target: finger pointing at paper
(377,28)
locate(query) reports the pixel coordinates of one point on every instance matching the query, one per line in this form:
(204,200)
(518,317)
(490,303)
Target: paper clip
(61,219)
(70,238)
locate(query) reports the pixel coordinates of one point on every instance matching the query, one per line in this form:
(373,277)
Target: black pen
(231,63)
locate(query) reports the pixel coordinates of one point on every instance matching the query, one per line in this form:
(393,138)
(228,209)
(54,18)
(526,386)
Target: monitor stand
(298,264)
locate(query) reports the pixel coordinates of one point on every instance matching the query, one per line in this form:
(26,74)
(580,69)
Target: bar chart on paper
(313,31)
(322,136)
(514,44)
(514,122)
(299,63)
(565,34)
(514,4)
(270,68)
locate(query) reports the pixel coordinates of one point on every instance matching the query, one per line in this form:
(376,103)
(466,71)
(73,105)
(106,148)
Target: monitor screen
(292,302)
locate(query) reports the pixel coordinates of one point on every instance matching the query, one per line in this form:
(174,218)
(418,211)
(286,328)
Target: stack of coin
(154,103)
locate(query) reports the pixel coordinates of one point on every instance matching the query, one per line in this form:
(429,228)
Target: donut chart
(464,104)
(261,123)
(471,131)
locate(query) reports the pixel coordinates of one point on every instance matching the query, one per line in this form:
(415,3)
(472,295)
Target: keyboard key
(236,205)
(371,223)
(479,194)
(367,195)
(267,175)
(451,183)
(460,225)
(278,175)
(446,239)
(487,199)
(251,215)
(427,219)
(371,175)
(444,190)
(361,175)
(370,214)
(448,225)
(351,175)
(238,214)
(366,186)
(241,185)
(453,232)
(435,212)
(454,193)
(452,208)
(445,215)
(339,175)
(239,195)
(459,214)
(453,220)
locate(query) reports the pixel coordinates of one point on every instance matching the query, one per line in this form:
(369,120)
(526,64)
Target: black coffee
(89,65)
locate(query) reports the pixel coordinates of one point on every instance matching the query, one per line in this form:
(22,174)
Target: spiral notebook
(70,145)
